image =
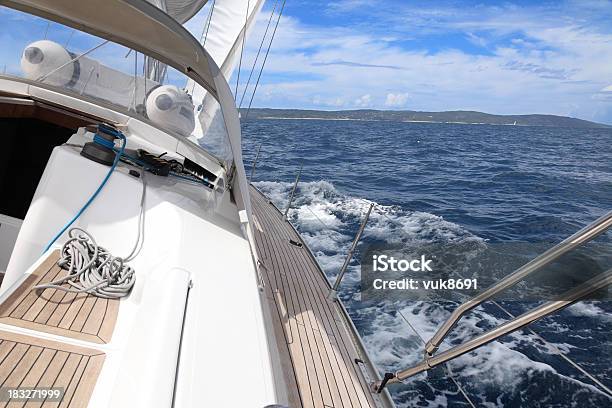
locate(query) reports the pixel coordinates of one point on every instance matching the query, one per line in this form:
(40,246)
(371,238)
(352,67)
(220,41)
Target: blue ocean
(475,188)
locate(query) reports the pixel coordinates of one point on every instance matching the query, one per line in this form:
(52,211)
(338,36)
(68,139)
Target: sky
(503,57)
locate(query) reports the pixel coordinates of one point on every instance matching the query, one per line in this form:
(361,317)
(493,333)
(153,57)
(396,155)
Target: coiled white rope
(91,269)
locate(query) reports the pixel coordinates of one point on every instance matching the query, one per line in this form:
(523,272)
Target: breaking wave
(328,221)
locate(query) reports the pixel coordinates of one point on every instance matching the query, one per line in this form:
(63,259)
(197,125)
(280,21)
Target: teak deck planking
(80,316)
(315,336)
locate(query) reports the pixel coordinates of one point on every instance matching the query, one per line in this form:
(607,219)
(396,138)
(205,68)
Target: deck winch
(101,150)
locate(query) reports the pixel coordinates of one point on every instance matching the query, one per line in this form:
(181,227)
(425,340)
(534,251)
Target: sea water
(493,197)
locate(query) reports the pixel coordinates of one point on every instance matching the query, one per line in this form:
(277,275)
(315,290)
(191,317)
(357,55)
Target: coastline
(400,121)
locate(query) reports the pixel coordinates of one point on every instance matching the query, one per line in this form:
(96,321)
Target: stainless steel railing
(581,237)
(297,180)
(592,285)
(333,292)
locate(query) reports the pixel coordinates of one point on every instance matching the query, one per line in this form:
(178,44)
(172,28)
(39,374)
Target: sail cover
(180,10)
(229,25)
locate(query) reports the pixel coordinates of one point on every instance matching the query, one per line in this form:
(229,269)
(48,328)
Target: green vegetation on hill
(467,117)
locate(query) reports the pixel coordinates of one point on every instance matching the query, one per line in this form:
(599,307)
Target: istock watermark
(457,271)
(411,274)
(383,263)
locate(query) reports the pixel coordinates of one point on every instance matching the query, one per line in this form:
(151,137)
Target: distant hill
(464,117)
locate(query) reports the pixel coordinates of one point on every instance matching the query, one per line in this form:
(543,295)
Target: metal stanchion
(297,179)
(333,293)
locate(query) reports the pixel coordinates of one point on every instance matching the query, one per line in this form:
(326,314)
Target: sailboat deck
(314,334)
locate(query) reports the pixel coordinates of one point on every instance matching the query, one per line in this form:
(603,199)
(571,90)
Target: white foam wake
(328,221)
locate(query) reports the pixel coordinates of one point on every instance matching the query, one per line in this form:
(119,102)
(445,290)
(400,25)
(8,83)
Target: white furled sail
(180,10)
(224,36)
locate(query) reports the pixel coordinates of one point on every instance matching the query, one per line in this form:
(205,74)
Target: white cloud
(396,100)
(347,5)
(536,61)
(607,89)
(363,101)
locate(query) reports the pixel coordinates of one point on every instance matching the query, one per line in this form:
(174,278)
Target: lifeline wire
(446,365)
(550,346)
(558,351)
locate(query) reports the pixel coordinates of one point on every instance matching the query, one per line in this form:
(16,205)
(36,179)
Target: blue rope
(102,141)
(97,139)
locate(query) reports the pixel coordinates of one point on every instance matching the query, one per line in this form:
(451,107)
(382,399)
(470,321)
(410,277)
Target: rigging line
(146,63)
(246,21)
(45,76)
(558,352)
(135,76)
(257,56)
(210,14)
(320,220)
(204,34)
(69,39)
(446,365)
(265,59)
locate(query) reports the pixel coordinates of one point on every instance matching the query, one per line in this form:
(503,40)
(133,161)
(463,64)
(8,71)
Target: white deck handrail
(430,360)
(600,281)
(581,237)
